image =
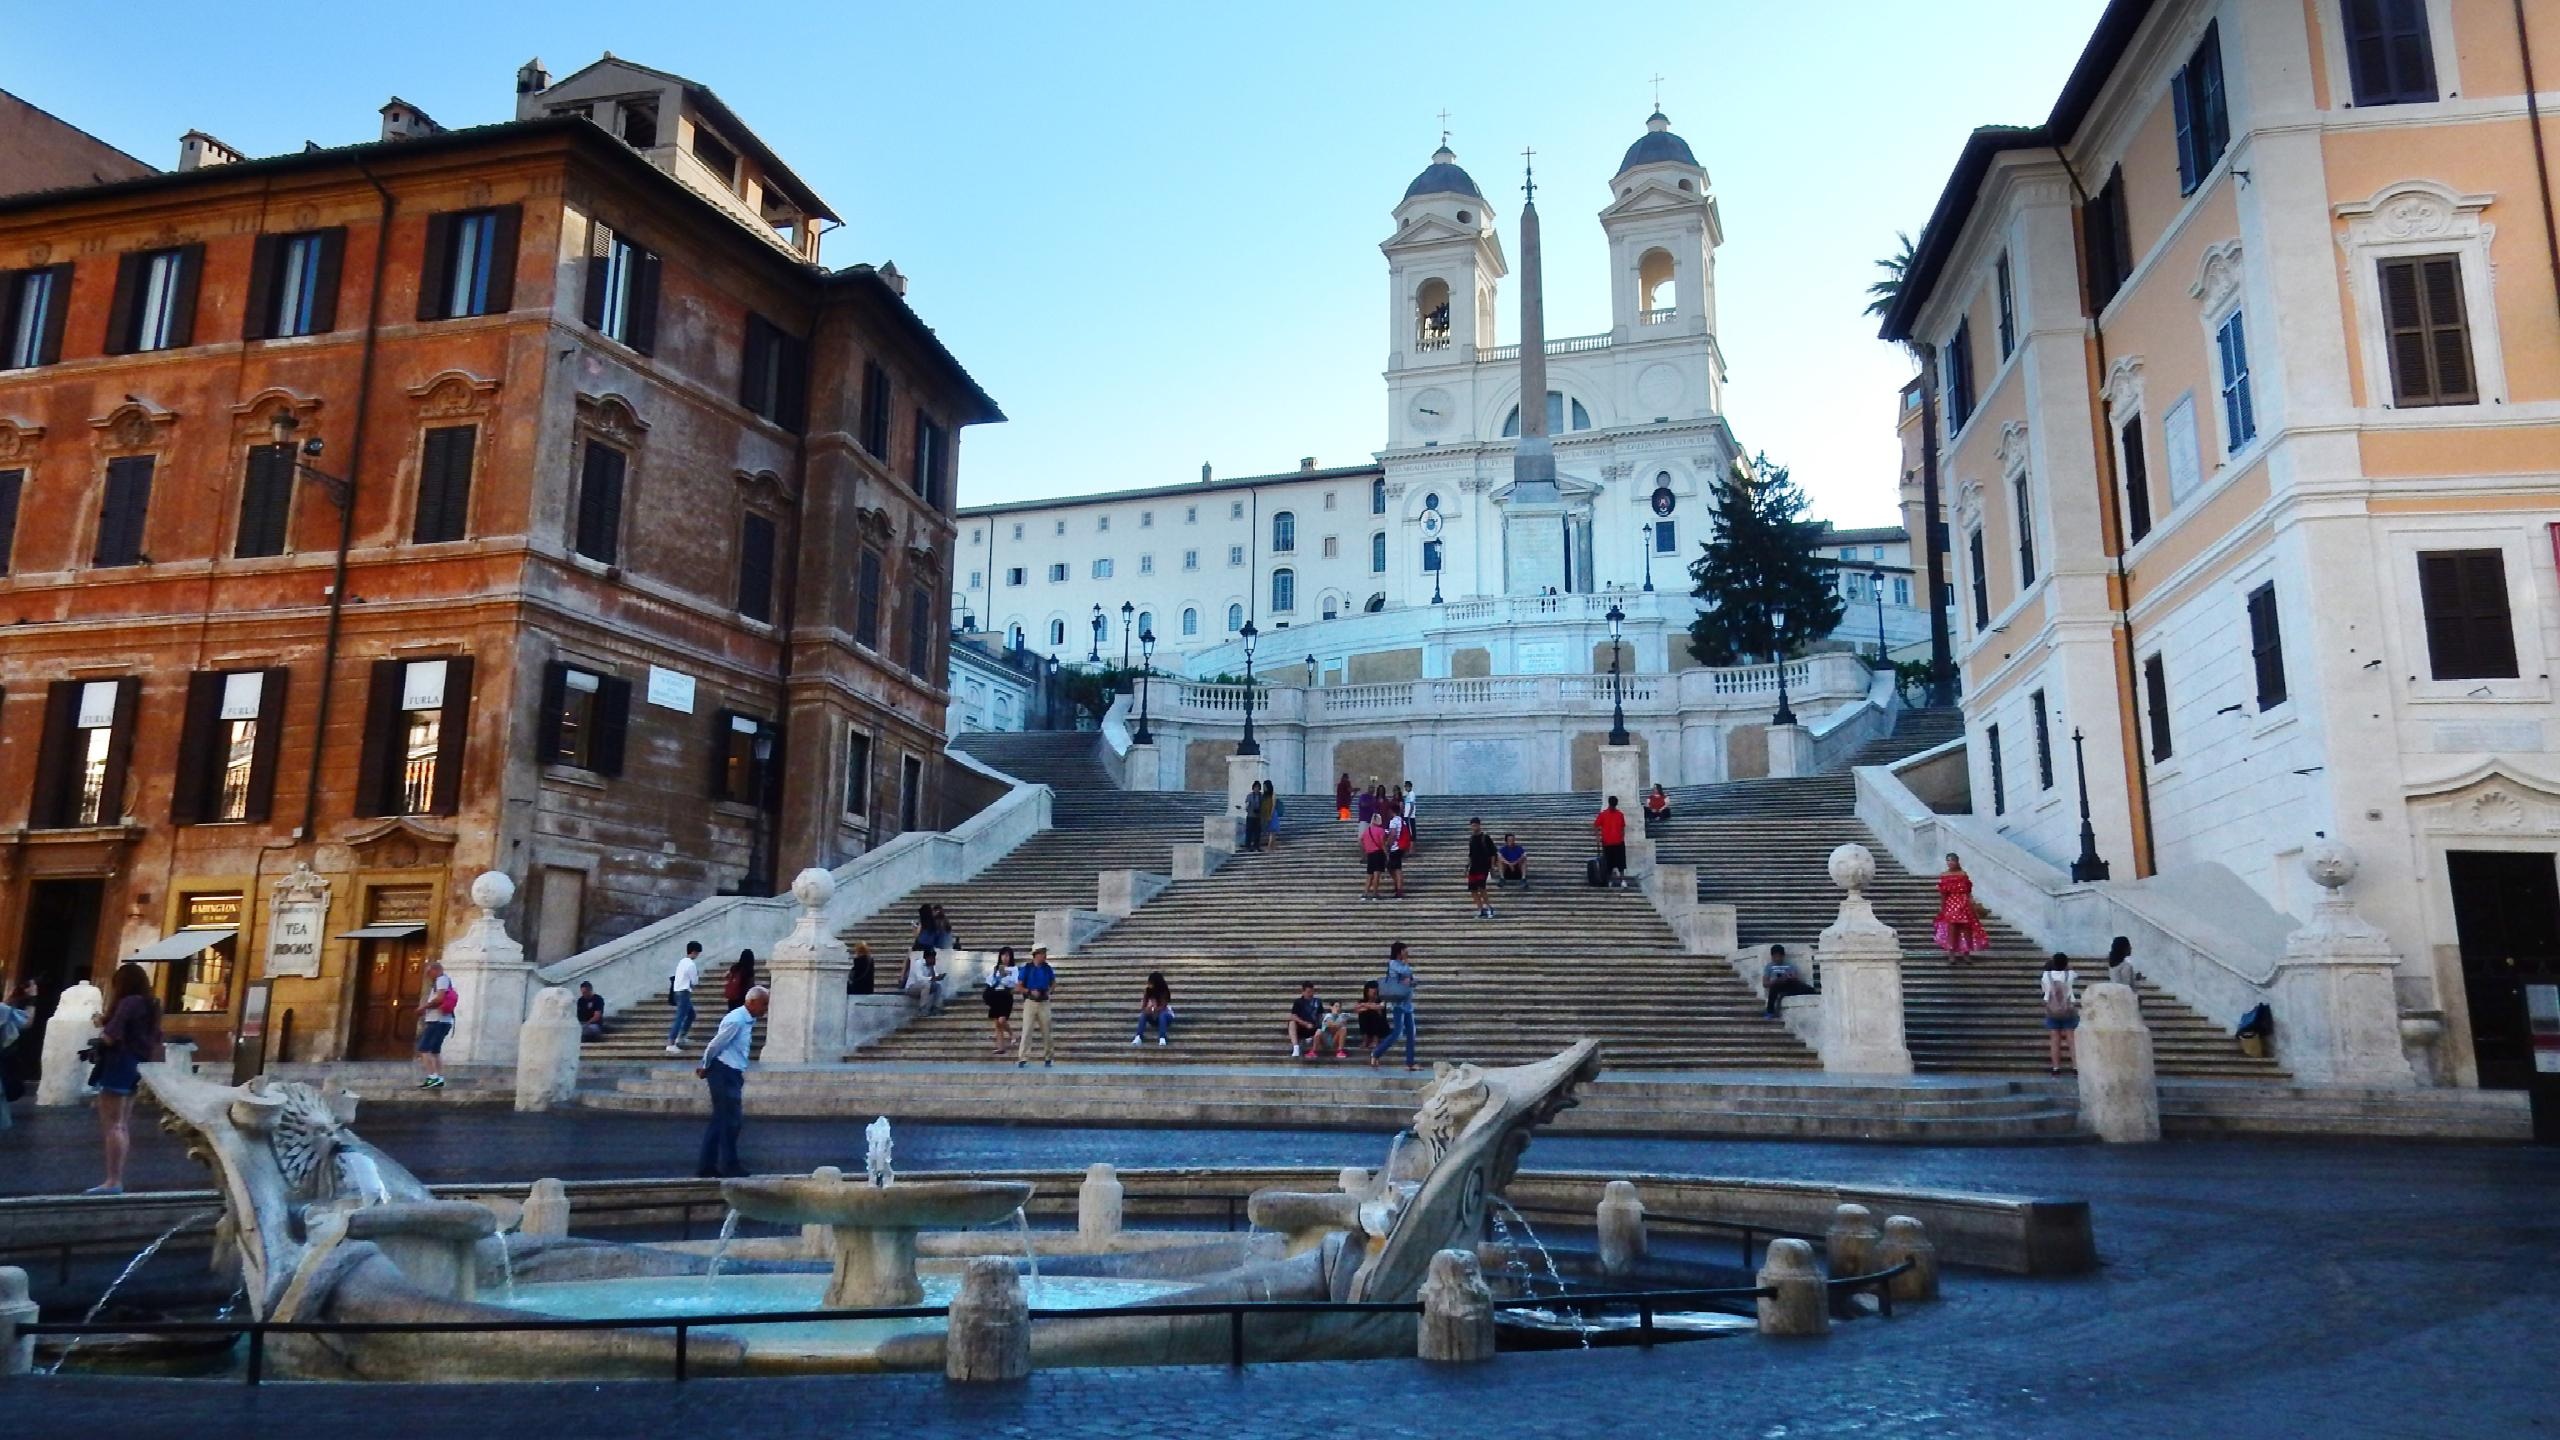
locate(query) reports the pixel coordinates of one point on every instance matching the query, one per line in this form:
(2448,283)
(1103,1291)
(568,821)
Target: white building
(986,695)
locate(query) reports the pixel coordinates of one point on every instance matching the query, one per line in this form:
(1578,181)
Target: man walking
(724,1069)
(1480,857)
(1396,988)
(680,990)
(1399,841)
(1409,805)
(1034,983)
(435,1022)
(1611,825)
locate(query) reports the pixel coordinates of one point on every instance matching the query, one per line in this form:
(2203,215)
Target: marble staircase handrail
(1838,735)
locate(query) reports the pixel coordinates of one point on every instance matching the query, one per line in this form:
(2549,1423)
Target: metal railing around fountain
(1648,1303)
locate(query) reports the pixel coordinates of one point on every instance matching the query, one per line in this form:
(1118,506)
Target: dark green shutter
(124,512)
(600,504)
(182,297)
(196,771)
(266,502)
(324,286)
(640,312)
(12,484)
(599,275)
(612,723)
(376,773)
(755,362)
(444,484)
(266,257)
(50,806)
(57,307)
(128,298)
(435,270)
(268,745)
(502,259)
(755,567)
(453,729)
(546,721)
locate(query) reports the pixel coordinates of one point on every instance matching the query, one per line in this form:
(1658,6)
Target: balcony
(1570,345)
(1663,316)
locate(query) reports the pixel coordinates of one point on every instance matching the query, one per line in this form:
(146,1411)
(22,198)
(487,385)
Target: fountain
(875,1225)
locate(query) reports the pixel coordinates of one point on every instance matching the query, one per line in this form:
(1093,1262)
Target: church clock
(1429,412)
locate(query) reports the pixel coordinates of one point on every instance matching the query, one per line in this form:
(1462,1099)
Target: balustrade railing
(1663,316)
(1570,345)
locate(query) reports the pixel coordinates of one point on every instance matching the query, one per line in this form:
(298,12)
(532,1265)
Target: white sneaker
(672,1050)
(1162,1041)
(1134,1039)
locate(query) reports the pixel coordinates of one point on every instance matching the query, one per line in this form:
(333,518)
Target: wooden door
(389,976)
(2506,916)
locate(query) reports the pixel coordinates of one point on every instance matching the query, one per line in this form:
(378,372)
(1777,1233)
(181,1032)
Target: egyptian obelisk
(1533,513)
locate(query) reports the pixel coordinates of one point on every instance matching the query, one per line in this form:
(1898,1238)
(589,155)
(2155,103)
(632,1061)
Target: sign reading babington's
(297,922)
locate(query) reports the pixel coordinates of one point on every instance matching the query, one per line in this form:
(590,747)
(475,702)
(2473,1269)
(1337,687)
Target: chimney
(1306,464)
(197,150)
(404,121)
(1204,472)
(531,78)
(892,277)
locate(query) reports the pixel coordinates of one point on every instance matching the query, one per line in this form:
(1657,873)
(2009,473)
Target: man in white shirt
(724,1069)
(680,990)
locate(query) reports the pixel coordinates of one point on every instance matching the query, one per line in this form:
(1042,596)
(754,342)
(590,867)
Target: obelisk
(1533,513)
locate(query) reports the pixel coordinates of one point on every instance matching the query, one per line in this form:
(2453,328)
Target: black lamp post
(1246,745)
(1876,579)
(1311,672)
(1126,610)
(1777,647)
(1146,657)
(2088,866)
(1095,658)
(1648,554)
(1617,691)
(1436,556)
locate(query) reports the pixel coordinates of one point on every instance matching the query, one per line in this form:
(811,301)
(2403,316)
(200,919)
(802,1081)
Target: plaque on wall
(297,922)
(1540,657)
(1664,502)
(671,689)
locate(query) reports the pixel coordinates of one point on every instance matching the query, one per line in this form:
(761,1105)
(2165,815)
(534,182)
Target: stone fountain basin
(853,1205)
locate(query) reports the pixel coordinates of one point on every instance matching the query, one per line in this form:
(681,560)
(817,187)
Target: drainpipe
(347,510)
(2541,161)
(1942,669)
(2121,601)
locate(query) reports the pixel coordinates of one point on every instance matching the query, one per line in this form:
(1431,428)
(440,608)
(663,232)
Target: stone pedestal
(1906,1239)
(547,1051)
(1098,1205)
(1141,768)
(875,1268)
(1787,751)
(1849,1246)
(1622,1238)
(491,981)
(820,1240)
(1622,775)
(989,1340)
(1457,1311)
(2119,1091)
(1064,932)
(805,1021)
(546,1211)
(1242,772)
(2336,1003)
(1119,893)
(17,1353)
(1860,963)
(180,1054)
(65,1080)
(1800,1308)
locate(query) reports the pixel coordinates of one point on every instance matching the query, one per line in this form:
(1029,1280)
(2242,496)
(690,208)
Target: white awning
(179,944)
(388,931)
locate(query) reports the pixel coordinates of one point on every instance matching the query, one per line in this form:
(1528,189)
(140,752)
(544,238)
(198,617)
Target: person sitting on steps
(1306,1021)
(1780,979)
(1515,862)
(1657,811)
(1155,1007)
(1371,1015)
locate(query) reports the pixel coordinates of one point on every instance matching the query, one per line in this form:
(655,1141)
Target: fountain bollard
(1907,1239)
(546,1211)
(1457,1311)
(1622,1240)
(64,1079)
(1849,1247)
(1353,1180)
(990,1336)
(546,1047)
(17,1352)
(1098,1206)
(820,1240)
(1800,1308)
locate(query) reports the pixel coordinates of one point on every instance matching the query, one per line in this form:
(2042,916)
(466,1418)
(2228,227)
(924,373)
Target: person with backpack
(1399,842)
(1611,826)
(680,993)
(1395,988)
(435,1022)
(740,980)
(2061,1012)
(1373,854)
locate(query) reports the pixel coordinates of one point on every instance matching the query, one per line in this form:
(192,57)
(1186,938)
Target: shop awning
(400,931)
(179,944)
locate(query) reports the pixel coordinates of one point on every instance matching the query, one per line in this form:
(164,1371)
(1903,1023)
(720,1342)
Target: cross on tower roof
(1444,127)
(1657,91)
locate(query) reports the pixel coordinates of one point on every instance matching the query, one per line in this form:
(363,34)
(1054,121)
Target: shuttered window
(773,379)
(469,266)
(266,502)
(622,289)
(866,600)
(2026,522)
(293,284)
(417,718)
(32,305)
(2203,119)
(2239,410)
(877,403)
(154,306)
(2266,646)
(2137,483)
(2430,336)
(2155,692)
(1959,378)
(228,740)
(1981,579)
(2008,303)
(932,459)
(2470,635)
(2390,54)
(2106,242)
(85,753)
(124,511)
(755,567)
(600,503)
(585,716)
(12,483)
(444,484)
(1999,771)
(920,632)
(2044,741)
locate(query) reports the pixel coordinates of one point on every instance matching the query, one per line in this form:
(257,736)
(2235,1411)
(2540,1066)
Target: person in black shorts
(1371,1013)
(1399,840)
(1480,858)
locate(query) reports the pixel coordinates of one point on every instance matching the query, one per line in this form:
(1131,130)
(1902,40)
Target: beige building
(2249,411)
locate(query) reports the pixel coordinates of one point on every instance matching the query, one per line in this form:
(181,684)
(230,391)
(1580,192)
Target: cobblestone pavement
(2268,1288)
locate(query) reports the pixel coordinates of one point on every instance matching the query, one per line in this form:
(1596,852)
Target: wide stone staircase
(1059,759)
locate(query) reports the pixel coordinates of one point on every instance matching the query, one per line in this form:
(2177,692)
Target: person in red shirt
(1611,826)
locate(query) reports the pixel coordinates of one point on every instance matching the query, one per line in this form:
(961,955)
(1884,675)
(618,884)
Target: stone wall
(1382,757)
(1204,764)
(1382,665)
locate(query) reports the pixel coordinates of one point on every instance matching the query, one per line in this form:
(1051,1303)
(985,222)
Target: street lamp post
(1648,554)
(2088,866)
(1146,689)
(1128,609)
(1875,578)
(1777,647)
(1617,691)
(1095,657)
(1246,745)
(1311,672)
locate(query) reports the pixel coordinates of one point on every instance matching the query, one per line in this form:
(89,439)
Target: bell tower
(1444,267)
(1663,231)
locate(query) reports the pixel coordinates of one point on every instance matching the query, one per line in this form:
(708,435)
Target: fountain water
(140,1258)
(1030,1256)
(875,1151)
(720,1250)
(361,1174)
(1581,1326)
(507,1257)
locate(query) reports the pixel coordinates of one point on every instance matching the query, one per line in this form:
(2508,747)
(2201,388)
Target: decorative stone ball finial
(2330,864)
(491,890)
(1853,868)
(813,888)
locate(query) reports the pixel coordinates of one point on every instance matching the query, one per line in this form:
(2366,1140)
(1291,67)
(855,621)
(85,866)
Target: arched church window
(1332,607)
(1057,633)
(1190,620)
(1378,553)
(1376,603)
(1284,591)
(1655,296)
(1018,637)
(1557,409)
(1146,622)
(1284,532)
(1378,496)
(1431,316)
(1235,618)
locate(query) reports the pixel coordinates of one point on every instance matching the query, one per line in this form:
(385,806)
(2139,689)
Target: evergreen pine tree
(1763,557)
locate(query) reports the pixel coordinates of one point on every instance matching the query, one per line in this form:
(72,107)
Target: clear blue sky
(1151,230)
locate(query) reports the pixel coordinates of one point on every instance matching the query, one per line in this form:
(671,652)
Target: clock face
(1431,410)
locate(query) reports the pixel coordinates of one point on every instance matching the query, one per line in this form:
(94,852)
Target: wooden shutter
(920,633)
(2182,105)
(266,502)
(600,504)
(502,260)
(57,307)
(866,600)
(50,805)
(124,513)
(199,721)
(453,727)
(119,751)
(376,771)
(599,274)
(768,776)
(546,720)
(2428,330)
(640,312)
(2266,646)
(444,484)
(1999,771)
(12,485)
(612,723)
(791,407)
(2044,744)
(128,296)
(917,461)
(268,745)
(1981,580)
(266,257)
(2155,687)
(324,286)
(435,272)
(2470,634)
(2390,53)
(182,297)
(755,566)
(2137,483)
(752,390)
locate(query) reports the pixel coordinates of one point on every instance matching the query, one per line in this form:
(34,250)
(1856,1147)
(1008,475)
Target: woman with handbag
(2061,1012)
(127,1037)
(1958,929)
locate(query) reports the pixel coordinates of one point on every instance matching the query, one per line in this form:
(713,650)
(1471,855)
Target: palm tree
(1882,295)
